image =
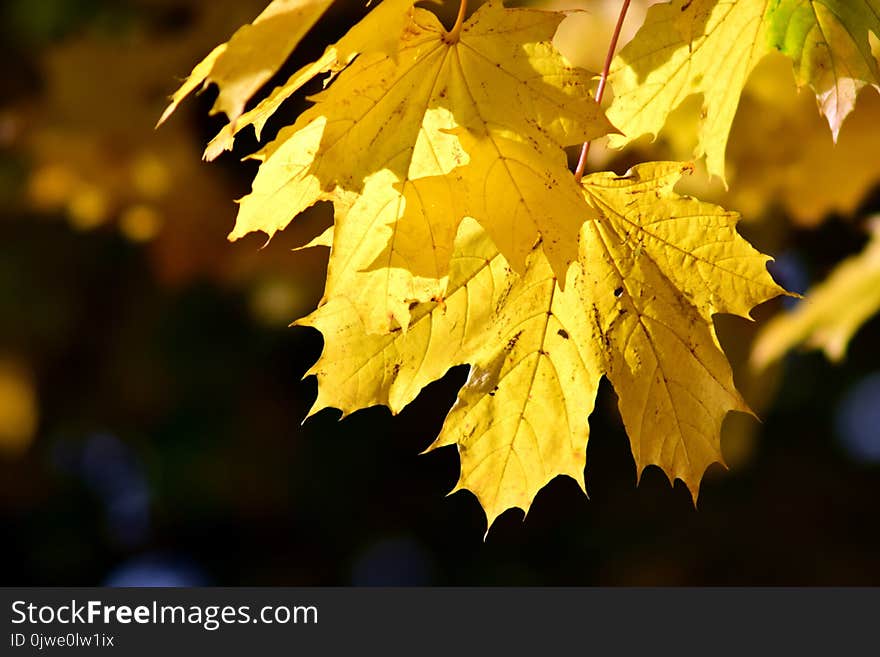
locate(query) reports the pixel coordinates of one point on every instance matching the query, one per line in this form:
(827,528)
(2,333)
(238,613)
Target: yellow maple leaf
(498,86)
(381,287)
(828,42)
(653,269)
(379,31)
(255,52)
(687,47)
(518,191)
(831,313)
(781,154)
(656,268)
(709,48)
(360,368)
(276,199)
(521,418)
(461,237)
(487,308)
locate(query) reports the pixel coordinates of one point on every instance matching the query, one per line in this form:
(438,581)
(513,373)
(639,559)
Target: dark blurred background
(151,398)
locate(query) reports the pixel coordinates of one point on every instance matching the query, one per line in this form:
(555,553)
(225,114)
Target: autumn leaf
(274,201)
(378,32)
(828,42)
(661,267)
(499,87)
(710,48)
(255,52)
(688,47)
(653,269)
(484,303)
(781,155)
(382,289)
(520,420)
(519,191)
(359,368)
(831,313)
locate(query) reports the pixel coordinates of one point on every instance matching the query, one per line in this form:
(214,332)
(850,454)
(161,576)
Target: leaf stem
(453,35)
(603,80)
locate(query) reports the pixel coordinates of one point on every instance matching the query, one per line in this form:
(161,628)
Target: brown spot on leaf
(512,342)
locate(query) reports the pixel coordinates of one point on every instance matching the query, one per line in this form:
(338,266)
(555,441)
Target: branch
(600,91)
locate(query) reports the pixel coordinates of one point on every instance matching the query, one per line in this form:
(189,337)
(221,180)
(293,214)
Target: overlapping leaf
(830,314)
(666,265)
(653,269)
(378,32)
(688,47)
(828,42)
(709,47)
(255,52)
(495,106)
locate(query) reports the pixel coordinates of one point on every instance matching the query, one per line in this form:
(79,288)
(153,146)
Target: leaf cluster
(461,236)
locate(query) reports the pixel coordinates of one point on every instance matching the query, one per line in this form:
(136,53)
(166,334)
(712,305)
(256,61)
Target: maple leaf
(831,313)
(520,190)
(359,368)
(707,47)
(781,154)
(661,267)
(475,322)
(379,285)
(497,87)
(688,47)
(255,52)
(828,42)
(378,32)
(653,269)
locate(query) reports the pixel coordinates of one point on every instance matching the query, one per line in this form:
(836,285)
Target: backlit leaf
(255,52)
(501,86)
(828,42)
(379,31)
(653,269)
(710,47)
(688,47)
(831,313)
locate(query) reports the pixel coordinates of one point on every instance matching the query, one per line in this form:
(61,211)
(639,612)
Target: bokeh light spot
(88,208)
(857,420)
(18,409)
(51,187)
(150,177)
(140,223)
(153,570)
(275,302)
